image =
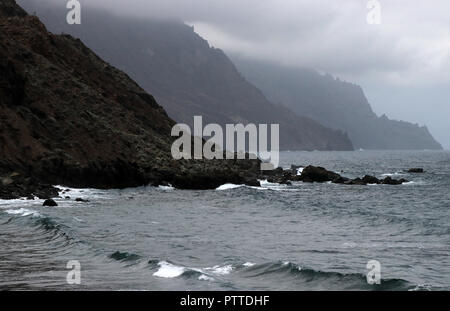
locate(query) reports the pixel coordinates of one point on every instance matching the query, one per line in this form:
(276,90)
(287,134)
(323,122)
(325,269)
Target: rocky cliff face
(187,76)
(68,117)
(336,104)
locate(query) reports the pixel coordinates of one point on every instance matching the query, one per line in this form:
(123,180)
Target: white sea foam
(265,185)
(248,264)
(23,212)
(300,170)
(167,188)
(229,186)
(412,183)
(85,193)
(204,277)
(393,174)
(168,270)
(221,270)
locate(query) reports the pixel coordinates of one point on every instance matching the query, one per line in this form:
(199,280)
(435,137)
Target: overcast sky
(403,64)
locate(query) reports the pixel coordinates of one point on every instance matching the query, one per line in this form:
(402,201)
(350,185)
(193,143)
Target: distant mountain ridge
(334,103)
(186,75)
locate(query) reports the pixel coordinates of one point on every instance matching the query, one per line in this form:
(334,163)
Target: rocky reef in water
(311,174)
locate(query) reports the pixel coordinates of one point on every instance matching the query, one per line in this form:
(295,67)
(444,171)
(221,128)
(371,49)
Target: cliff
(186,75)
(68,117)
(336,104)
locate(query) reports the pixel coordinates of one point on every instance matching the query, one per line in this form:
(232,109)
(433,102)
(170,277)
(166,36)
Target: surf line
(193,301)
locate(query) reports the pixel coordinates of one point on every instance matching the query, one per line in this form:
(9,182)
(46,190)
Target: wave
(168,270)
(393,174)
(229,186)
(314,279)
(304,278)
(42,227)
(166,188)
(23,212)
(124,256)
(265,185)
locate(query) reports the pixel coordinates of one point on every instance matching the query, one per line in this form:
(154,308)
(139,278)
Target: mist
(402,63)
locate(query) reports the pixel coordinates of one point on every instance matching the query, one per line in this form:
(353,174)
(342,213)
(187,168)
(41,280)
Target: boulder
(389,181)
(252,182)
(341,180)
(318,174)
(49,202)
(371,180)
(356,181)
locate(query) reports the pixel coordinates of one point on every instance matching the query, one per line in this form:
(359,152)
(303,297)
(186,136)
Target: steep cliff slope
(186,75)
(336,104)
(69,118)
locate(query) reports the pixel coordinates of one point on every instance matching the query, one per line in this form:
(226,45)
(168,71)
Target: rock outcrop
(69,118)
(335,104)
(186,75)
(312,174)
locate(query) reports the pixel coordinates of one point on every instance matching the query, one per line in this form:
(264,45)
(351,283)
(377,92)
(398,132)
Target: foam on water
(167,188)
(204,277)
(393,174)
(228,187)
(23,212)
(168,270)
(221,270)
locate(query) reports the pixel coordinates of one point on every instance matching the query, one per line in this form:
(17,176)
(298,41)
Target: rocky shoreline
(319,174)
(69,118)
(15,186)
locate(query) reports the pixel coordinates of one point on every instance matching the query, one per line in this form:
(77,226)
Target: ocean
(277,237)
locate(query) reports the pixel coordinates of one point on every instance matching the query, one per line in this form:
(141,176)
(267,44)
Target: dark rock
(389,181)
(341,180)
(16,186)
(49,202)
(318,174)
(253,182)
(125,139)
(284,178)
(416,170)
(67,198)
(276,172)
(371,180)
(356,181)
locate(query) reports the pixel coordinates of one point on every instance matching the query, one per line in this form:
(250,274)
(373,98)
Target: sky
(402,63)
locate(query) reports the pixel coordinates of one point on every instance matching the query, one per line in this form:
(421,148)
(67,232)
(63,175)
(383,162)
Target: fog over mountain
(401,64)
(188,77)
(335,104)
